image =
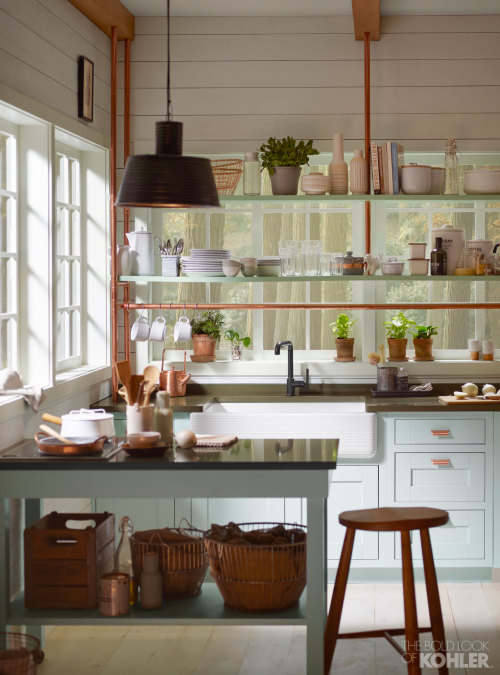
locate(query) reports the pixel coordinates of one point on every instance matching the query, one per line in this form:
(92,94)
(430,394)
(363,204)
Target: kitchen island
(249,469)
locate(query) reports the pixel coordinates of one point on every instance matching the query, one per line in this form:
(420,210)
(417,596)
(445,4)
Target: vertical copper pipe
(126,321)
(112,190)
(126,124)
(368,211)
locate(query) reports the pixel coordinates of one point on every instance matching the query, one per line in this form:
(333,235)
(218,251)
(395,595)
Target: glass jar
(123,556)
(251,174)
(451,179)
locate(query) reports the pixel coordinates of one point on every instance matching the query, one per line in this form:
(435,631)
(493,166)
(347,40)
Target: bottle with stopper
(123,556)
(451,179)
(337,169)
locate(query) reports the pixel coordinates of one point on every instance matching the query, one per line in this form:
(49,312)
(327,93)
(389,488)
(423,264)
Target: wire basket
(227,173)
(259,578)
(19,654)
(182,555)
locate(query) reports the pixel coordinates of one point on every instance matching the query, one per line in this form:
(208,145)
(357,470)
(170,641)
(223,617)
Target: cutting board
(451,400)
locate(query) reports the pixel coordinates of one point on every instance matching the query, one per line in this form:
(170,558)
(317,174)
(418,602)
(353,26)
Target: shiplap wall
(237,81)
(40,41)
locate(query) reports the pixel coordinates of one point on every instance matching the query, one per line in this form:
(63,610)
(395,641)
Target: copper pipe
(368,211)
(302,305)
(126,321)
(126,126)
(112,190)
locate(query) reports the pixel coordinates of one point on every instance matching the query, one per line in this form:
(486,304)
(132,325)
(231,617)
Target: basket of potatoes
(258,567)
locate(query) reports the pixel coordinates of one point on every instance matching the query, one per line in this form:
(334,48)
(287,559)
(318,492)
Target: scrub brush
(373,358)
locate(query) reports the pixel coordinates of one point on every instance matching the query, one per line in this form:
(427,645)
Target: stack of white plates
(268,266)
(268,260)
(204,262)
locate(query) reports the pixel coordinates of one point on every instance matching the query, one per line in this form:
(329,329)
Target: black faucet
(290,382)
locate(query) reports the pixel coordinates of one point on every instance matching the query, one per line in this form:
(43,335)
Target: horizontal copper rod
(302,305)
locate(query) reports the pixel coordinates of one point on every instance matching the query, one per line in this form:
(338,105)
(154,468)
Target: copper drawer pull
(440,432)
(441,462)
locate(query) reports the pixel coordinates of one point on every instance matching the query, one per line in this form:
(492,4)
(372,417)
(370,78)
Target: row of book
(386,161)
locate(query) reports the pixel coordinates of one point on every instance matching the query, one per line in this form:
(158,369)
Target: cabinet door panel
(419,479)
(352,487)
(424,431)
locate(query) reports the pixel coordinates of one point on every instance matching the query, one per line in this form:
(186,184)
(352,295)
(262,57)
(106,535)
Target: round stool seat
(394,519)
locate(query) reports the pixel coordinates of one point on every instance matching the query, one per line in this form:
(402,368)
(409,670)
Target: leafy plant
(285,152)
(210,323)
(398,326)
(343,326)
(424,332)
(234,338)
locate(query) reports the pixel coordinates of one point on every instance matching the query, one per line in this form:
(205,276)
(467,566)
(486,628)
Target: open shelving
(334,278)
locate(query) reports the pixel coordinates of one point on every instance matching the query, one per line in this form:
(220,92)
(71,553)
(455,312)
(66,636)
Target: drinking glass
(312,250)
(287,249)
(337,264)
(325,264)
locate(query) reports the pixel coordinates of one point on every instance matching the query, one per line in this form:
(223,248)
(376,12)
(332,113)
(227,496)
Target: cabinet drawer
(439,477)
(462,538)
(439,432)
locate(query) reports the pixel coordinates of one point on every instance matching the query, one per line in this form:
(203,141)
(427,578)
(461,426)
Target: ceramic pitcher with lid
(141,252)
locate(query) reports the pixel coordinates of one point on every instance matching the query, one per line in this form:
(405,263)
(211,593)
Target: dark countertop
(249,454)
(200,396)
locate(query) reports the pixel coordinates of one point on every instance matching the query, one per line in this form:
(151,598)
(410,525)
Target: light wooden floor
(471,613)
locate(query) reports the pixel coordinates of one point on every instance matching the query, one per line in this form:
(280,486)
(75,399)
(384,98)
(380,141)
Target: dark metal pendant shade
(167,179)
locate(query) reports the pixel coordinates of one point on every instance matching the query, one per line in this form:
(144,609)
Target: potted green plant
(344,342)
(397,329)
(283,158)
(237,343)
(422,341)
(206,332)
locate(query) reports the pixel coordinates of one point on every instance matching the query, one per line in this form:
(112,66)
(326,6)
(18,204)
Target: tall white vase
(358,177)
(339,183)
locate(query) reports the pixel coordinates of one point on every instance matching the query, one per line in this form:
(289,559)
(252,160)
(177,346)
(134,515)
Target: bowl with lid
(392,266)
(416,179)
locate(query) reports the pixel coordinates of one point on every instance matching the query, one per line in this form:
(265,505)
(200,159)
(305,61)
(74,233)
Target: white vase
(359,176)
(339,183)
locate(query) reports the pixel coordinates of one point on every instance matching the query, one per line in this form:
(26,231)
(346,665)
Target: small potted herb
(283,158)
(206,332)
(344,343)
(237,344)
(422,341)
(396,329)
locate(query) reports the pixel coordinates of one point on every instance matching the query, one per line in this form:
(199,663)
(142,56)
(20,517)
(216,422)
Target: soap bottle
(164,419)
(123,556)
(337,169)
(402,380)
(251,174)
(439,259)
(151,582)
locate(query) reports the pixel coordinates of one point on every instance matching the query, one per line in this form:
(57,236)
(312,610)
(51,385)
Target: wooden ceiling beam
(366,14)
(107,13)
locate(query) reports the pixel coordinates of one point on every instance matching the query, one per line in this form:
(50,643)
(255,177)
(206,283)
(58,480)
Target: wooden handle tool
(47,417)
(55,434)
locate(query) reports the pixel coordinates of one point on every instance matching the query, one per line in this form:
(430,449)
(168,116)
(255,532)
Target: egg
(185,438)
(470,388)
(489,389)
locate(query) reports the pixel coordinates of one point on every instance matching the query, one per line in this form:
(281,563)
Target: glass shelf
(358,198)
(258,280)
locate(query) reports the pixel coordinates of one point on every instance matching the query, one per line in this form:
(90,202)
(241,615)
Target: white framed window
(9,246)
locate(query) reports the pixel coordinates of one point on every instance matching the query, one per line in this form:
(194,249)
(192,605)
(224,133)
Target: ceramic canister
(478,246)
(416,179)
(453,244)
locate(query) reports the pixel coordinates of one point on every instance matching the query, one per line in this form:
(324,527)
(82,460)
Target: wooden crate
(62,566)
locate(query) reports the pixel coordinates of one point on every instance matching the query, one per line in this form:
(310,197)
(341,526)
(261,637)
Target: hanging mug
(158,329)
(182,329)
(140,329)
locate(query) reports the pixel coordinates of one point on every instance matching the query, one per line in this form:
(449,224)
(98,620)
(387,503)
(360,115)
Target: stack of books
(386,160)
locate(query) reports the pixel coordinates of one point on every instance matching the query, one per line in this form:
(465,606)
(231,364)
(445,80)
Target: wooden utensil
(124,374)
(47,417)
(135,381)
(55,434)
(151,375)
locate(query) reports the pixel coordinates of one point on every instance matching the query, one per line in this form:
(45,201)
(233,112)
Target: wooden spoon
(151,375)
(123,372)
(56,434)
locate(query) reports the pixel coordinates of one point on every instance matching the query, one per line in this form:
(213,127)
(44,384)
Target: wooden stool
(392,520)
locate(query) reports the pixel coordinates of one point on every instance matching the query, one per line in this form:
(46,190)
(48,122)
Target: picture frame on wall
(85,89)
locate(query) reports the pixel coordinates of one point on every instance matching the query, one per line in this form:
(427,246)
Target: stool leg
(432,589)
(335,612)
(410,605)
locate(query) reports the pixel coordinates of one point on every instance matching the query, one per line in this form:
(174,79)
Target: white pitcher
(141,253)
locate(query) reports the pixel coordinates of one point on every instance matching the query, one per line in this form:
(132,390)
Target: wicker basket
(258,578)
(227,173)
(183,563)
(19,654)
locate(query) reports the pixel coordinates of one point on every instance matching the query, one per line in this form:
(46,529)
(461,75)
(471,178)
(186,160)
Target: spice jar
(353,264)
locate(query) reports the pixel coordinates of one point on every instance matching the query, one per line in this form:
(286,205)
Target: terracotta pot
(345,348)
(204,345)
(285,180)
(397,349)
(423,349)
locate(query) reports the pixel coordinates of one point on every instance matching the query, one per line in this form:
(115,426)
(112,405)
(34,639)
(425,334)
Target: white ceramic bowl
(315,183)
(482,182)
(144,439)
(392,267)
(231,267)
(418,266)
(416,179)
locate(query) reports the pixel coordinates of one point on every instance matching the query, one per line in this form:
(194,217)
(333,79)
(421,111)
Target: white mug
(182,329)
(158,330)
(140,419)
(123,260)
(140,329)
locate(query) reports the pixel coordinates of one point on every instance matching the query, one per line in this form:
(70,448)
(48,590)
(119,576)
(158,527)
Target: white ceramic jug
(123,260)
(141,253)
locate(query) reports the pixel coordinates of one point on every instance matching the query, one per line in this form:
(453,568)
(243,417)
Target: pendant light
(167,178)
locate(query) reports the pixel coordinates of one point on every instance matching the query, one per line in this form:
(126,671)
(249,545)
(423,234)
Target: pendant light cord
(169,100)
